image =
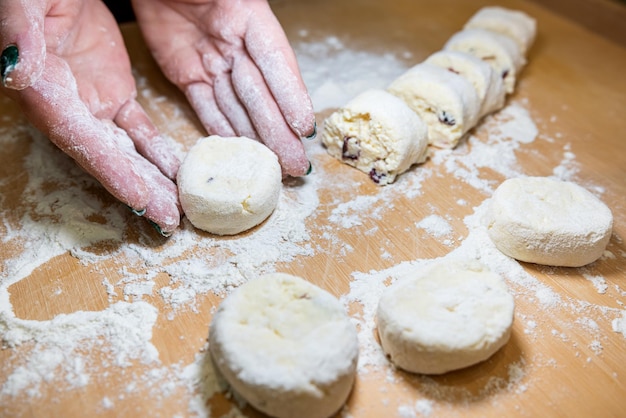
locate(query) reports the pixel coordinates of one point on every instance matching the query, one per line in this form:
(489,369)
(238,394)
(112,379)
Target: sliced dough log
(487,82)
(286,346)
(446,101)
(229,185)
(448,316)
(513,23)
(548,221)
(500,51)
(378,134)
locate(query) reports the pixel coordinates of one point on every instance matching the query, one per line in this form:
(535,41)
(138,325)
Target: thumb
(22,42)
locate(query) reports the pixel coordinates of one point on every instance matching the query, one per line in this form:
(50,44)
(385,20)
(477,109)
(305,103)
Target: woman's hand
(65,63)
(233,62)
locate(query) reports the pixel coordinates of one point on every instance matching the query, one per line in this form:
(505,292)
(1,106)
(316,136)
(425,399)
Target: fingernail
(159,230)
(310,169)
(8,60)
(314,134)
(138,212)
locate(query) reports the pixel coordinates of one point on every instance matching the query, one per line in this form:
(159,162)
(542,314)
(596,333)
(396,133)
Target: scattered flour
(598,282)
(337,81)
(61,214)
(619,324)
(435,225)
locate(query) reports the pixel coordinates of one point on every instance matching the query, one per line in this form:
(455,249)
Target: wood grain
(575,91)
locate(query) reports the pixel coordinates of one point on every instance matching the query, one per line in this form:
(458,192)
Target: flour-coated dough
(446,101)
(228,185)
(513,23)
(377,133)
(548,221)
(286,346)
(487,82)
(500,51)
(450,315)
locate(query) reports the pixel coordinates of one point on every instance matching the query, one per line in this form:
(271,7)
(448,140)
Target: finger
(231,107)
(147,139)
(163,209)
(22,42)
(200,96)
(53,106)
(268,46)
(268,119)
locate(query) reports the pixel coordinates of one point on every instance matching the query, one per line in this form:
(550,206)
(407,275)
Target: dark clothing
(121,9)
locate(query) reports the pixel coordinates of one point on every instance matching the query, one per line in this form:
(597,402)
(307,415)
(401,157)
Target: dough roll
(446,101)
(513,23)
(487,82)
(500,51)
(378,134)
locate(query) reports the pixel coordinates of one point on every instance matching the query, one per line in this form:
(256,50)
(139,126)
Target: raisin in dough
(446,101)
(487,82)
(228,185)
(286,346)
(448,316)
(513,23)
(500,51)
(378,134)
(548,221)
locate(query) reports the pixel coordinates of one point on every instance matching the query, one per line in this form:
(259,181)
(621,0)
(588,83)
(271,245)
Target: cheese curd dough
(286,346)
(513,23)
(378,134)
(547,221)
(450,315)
(228,185)
(446,101)
(500,51)
(487,82)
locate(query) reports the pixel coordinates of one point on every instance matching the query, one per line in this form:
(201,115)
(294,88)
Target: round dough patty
(548,221)
(286,346)
(448,316)
(228,185)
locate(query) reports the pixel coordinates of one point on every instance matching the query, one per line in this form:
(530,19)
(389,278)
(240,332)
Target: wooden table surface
(83,282)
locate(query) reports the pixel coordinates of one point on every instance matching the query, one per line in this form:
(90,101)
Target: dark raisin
(444,117)
(505,73)
(350,149)
(453,70)
(376,176)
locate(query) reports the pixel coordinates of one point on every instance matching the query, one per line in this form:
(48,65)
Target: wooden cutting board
(564,358)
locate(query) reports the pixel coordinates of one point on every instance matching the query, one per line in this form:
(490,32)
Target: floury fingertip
(8,61)
(160,230)
(314,133)
(138,212)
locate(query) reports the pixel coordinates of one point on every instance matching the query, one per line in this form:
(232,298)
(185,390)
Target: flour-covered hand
(64,62)
(232,60)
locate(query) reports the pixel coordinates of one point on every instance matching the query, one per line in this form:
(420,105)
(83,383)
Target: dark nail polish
(8,60)
(310,169)
(159,230)
(138,212)
(314,134)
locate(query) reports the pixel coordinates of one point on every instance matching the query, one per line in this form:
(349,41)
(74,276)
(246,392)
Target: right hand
(72,78)
(234,63)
